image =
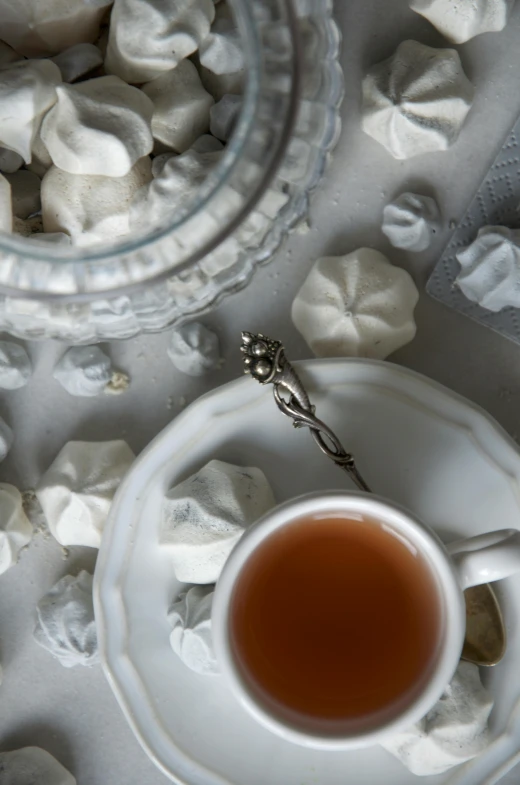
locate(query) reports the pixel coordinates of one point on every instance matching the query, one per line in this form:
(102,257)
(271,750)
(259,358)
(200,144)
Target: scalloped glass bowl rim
(218,180)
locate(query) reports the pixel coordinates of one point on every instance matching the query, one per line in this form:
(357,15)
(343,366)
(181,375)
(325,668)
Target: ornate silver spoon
(265,360)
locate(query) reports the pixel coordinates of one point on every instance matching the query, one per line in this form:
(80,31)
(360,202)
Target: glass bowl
(288,124)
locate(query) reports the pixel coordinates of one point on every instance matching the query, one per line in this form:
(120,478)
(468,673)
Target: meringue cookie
(222,52)
(41,161)
(205,515)
(149,37)
(490,274)
(357,305)
(219,85)
(176,182)
(77,489)
(416,101)
(36,28)
(455,730)
(190,638)
(460,21)
(66,625)
(6,209)
(6,439)
(15,528)
(55,238)
(224,115)
(15,366)
(9,161)
(91,209)
(27,91)
(410,221)
(33,765)
(194,349)
(84,371)
(25,193)
(78,60)
(181,106)
(98,127)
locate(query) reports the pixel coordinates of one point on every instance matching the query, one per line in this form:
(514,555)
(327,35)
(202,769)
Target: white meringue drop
(15,528)
(190,638)
(490,274)
(358,305)
(411,221)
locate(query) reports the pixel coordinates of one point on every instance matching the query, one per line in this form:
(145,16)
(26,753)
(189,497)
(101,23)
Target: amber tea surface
(336,619)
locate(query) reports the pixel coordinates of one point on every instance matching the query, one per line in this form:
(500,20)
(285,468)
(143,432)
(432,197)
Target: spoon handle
(265,360)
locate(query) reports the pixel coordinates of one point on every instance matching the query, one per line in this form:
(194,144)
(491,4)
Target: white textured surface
(221,51)
(416,101)
(223,116)
(190,638)
(358,305)
(9,161)
(15,528)
(84,371)
(15,366)
(6,438)
(32,765)
(194,349)
(460,20)
(490,268)
(455,730)
(77,61)
(411,221)
(91,208)
(180,106)
(206,514)
(6,209)
(97,745)
(27,91)
(65,624)
(77,489)
(36,28)
(175,184)
(98,127)
(149,37)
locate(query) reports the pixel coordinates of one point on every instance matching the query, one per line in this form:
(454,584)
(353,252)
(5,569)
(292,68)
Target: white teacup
(466,563)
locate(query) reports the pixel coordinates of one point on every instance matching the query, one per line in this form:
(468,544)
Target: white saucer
(415,442)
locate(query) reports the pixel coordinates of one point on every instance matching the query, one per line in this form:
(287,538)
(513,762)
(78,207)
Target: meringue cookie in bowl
(194,349)
(9,162)
(180,106)
(66,625)
(98,127)
(15,528)
(84,371)
(89,208)
(149,37)
(77,489)
(206,514)
(6,208)
(190,638)
(490,274)
(411,221)
(224,115)
(454,731)
(177,179)
(222,52)
(27,91)
(464,19)
(78,60)
(357,305)
(15,366)
(45,27)
(416,101)
(6,439)
(32,765)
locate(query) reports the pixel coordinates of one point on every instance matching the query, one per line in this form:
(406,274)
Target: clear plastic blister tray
(495,204)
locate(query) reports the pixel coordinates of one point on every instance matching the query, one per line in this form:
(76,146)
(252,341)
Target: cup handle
(486,557)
